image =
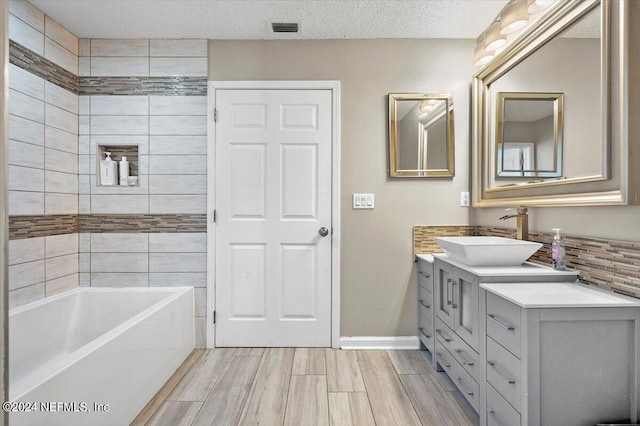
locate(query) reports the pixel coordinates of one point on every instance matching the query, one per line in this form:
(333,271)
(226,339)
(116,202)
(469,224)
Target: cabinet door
(465,290)
(444,297)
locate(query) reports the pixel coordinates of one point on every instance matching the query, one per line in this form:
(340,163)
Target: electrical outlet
(363,201)
(464,199)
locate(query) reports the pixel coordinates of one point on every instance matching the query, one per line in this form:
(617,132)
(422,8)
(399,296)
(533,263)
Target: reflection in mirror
(420,135)
(529,134)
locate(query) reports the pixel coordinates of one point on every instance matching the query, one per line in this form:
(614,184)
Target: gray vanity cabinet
(426,306)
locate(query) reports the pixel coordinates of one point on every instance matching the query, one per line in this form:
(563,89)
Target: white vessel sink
(487,251)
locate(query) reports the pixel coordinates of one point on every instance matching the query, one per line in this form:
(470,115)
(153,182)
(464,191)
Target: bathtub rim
(31,381)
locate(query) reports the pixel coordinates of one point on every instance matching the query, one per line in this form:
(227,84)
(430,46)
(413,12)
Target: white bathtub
(114,347)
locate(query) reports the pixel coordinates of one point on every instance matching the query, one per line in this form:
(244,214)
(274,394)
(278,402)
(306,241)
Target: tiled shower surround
(612,265)
(67,97)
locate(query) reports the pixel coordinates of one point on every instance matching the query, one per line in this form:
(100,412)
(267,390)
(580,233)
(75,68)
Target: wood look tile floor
(306,387)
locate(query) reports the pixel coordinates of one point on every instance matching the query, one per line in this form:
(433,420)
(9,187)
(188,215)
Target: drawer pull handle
(425,275)
(454,306)
(424,304)
(440,356)
(422,331)
(444,336)
(459,379)
(449,280)
(493,415)
(500,323)
(464,358)
(501,372)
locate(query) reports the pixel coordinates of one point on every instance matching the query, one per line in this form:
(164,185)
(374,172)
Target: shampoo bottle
(124,171)
(108,171)
(558,252)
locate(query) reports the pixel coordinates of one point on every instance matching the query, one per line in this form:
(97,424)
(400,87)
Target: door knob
(323,232)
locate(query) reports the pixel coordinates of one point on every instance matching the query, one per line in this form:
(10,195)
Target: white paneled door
(273,232)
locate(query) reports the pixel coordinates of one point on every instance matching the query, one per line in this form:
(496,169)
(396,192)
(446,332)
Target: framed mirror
(421,136)
(529,130)
(578,50)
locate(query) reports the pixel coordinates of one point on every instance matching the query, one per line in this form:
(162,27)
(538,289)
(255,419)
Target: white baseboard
(380,342)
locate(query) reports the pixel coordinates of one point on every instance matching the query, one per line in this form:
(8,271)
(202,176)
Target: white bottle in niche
(124,171)
(108,171)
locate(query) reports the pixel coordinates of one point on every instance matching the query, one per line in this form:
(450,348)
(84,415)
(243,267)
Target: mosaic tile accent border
(423,236)
(21,227)
(30,61)
(142,223)
(167,86)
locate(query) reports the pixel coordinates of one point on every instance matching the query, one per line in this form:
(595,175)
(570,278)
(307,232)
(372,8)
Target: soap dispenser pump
(558,252)
(108,171)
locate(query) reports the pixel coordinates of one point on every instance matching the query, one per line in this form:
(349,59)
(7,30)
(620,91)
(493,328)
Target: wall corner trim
(380,342)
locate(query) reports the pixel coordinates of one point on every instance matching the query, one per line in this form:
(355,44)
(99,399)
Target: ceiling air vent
(285,27)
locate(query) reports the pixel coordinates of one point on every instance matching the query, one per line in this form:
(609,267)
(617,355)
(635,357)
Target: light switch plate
(363,201)
(464,199)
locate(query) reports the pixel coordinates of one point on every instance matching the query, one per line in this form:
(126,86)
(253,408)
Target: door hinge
(215,115)
(215,216)
(214,317)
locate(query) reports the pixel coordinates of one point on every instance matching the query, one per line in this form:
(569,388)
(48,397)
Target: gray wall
(378,281)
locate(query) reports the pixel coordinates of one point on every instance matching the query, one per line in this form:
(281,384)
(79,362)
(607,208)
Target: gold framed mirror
(421,135)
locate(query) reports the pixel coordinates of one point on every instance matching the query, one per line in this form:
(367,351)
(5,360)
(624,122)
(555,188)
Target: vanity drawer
(503,372)
(425,303)
(503,323)
(463,381)
(425,279)
(499,412)
(425,332)
(459,349)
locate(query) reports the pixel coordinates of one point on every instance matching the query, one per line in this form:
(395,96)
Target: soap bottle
(108,171)
(558,252)
(124,171)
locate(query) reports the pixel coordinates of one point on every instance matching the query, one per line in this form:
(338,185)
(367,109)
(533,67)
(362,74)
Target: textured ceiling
(251,19)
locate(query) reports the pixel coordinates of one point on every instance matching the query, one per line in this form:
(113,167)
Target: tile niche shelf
(117,152)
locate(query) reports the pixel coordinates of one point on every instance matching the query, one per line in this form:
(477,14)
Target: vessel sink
(487,251)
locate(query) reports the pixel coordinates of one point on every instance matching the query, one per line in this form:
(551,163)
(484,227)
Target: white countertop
(425,257)
(526,269)
(559,295)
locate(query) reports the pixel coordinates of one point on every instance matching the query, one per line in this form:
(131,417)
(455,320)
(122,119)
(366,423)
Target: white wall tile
(61,98)
(177,262)
(60,56)
(119,66)
(119,125)
(186,67)
(84,66)
(119,47)
(178,125)
(25,295)
(84,184)
(25,179)
(84,47)
(60,203)
(84,204)
(177,48)
(61,245)
(177,105)
(119,204)
(26,250)
(119,243)
(196,204)
(119,262)
(61,35)
(84,241)
(166,145)
(84,166)
(61,161)
(28,13)
(25,82)
(106,279)
(200,302)
(172,279)
(141,189)
(26,35)
(26,107)
(61,140)
(24,274)
(177,164)
(61,119)
(178,184)
(21,202)
(119,105)
(62,284)
(84,144)
(66,183)
(84,279)
(84,105)
(141,140)
(61,266)
(200,332)
(26,155)
(178,242)
(84,125)
(21,129)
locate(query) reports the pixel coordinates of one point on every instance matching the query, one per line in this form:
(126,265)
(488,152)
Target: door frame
(334,87)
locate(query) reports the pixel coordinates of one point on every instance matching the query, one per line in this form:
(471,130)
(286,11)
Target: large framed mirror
(575,58)
(421,136)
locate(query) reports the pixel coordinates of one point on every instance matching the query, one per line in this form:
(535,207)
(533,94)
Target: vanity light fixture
(535,6)
(493,40)
(480,55)
(513,17)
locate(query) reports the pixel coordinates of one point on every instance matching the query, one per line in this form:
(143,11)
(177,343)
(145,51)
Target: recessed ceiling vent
(284,27)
